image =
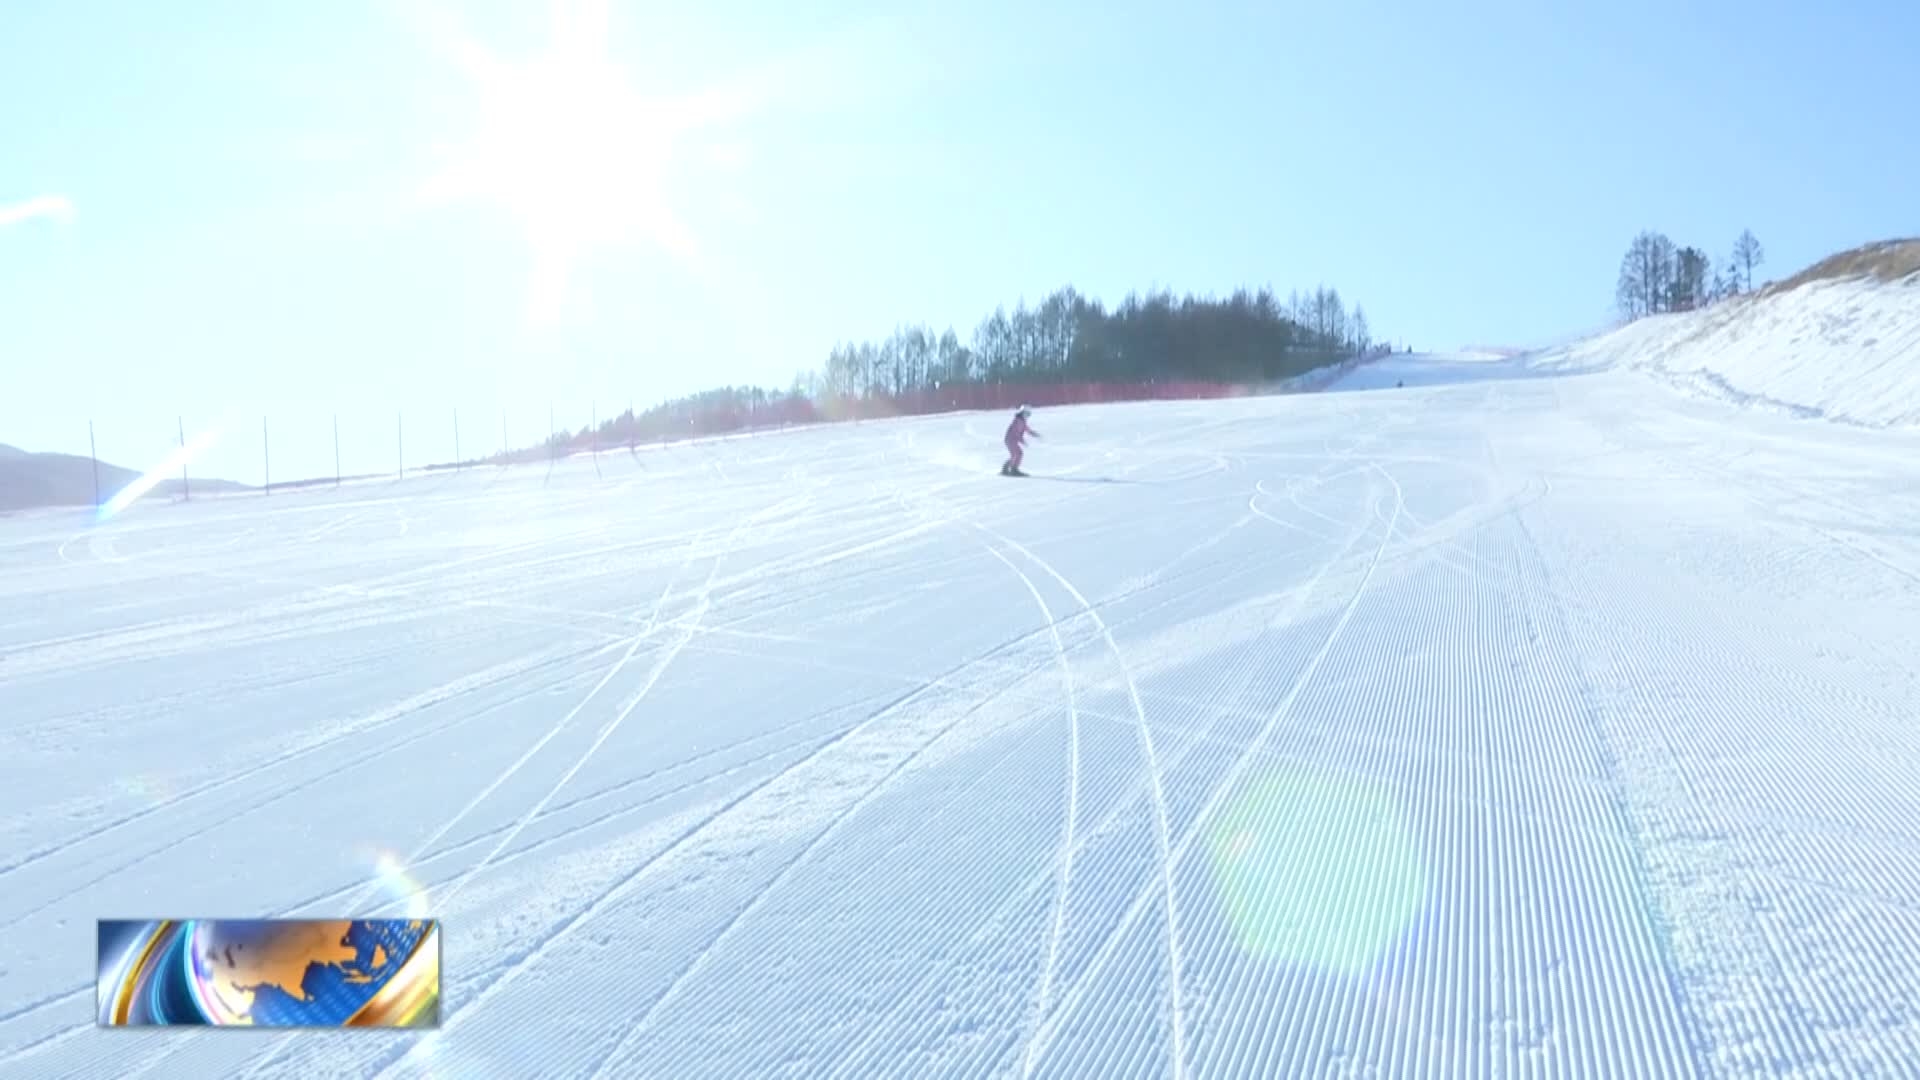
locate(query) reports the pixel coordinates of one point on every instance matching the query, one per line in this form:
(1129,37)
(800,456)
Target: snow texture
(1500,724)
(1846,350)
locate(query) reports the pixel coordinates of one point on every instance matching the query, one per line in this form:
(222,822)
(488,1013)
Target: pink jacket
(1017,431)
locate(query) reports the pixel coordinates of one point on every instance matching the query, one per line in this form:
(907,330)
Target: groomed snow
(1845,350)
(1501,724)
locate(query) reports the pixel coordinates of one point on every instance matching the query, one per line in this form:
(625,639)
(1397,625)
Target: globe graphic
(318,973)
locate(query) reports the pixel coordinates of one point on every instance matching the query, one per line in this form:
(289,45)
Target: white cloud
(58,207)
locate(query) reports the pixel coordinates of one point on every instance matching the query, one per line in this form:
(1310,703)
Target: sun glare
(566,146)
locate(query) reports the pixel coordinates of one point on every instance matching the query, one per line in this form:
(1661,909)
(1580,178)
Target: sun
(564,144)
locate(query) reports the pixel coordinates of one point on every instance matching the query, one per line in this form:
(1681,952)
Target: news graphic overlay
(269,973)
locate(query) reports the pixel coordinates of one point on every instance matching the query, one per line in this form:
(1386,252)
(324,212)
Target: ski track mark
(1226,785)
(1171,911)
(712,945)
(392,714)
(916,999)
(1043,999)
(627,882)
(276,794)
(659,668)
(702,603)
(1787,895)
(437,695)
(552,732)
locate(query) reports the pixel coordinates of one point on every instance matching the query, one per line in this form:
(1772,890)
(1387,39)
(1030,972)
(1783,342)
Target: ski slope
(1503,724)
(1845,349)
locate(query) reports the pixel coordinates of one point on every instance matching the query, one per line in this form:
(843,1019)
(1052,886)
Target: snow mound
(1846,350)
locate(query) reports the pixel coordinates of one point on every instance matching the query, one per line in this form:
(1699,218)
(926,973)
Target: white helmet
(1023,411)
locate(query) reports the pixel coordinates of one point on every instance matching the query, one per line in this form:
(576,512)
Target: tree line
(1065,341)
(1656,276)
(1248,337)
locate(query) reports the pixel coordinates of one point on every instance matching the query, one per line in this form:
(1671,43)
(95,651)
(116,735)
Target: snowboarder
(1016,435)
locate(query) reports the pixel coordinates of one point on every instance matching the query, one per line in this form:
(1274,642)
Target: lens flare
(152,788)
(152,478)
(1316,870)
(398,885)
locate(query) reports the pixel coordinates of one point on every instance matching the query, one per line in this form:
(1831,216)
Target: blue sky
(376,207)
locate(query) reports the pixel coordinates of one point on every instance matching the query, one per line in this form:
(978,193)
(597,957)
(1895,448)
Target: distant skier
(1017,433)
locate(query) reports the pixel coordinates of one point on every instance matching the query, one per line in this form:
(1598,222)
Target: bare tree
(1646,272)
(1747,254)
(1246,338)
(954,362)
(1628,294)
(867,364)
(1336,318)
(1662,265)
(843,371)
(1058,322)
(1323,304)
(993,346)
(919,346)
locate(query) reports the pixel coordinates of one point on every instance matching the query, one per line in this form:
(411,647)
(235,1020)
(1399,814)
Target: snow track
(1502,725)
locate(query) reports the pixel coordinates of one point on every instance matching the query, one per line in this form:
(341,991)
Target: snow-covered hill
(1844,348)
(1460,721)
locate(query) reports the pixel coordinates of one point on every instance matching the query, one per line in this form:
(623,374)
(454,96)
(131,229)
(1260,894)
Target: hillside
(30,481)
(1451,722)
(1839,340)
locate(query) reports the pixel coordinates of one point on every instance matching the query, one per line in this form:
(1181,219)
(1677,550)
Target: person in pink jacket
(1015,438)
